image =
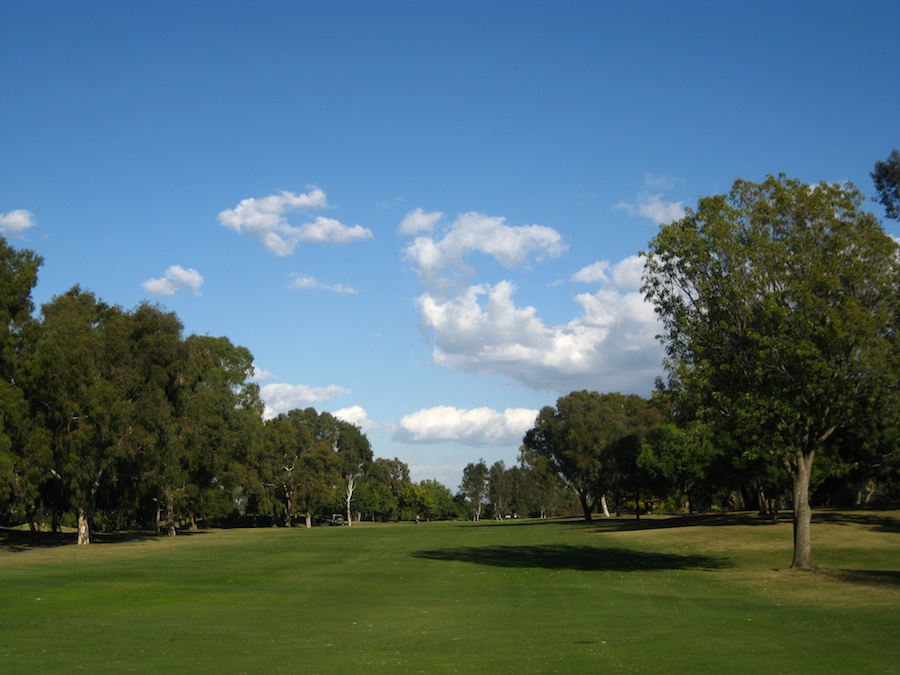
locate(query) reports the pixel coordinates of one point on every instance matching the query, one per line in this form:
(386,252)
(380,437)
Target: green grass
(681,595)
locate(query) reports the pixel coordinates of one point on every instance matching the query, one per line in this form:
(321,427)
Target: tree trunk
(605,506)
(84,530)
(351,485)
(801,469)
(287,511)
(585,506)
(308,520)
(170,514)
(761,498)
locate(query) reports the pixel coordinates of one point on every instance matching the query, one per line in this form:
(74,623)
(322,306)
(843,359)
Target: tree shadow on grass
(18,541)
(653,522)
(582,558)
(871,519)
(21,541)
(882,578)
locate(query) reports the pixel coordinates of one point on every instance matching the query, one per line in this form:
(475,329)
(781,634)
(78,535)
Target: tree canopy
(887,183)
(779,307)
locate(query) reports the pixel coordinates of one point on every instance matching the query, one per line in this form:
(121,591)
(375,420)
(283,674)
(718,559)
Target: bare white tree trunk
(351,485)
(84,532)
(604,506)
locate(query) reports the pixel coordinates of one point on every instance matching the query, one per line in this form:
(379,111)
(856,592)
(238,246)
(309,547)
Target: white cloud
(419,221)
(654,208)
(176,279)
(356,415)
(260,375)
(611,346)
(307,283)
(330,231)
(16,222)
(598,271)
(476,426)
(280,397)
(265,219)
(625,274)
(440,263)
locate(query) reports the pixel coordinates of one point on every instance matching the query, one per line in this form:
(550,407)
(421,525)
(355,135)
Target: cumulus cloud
(356,415)
(440,262)
(654,208)
(476,426)
(307,283)
(419,221)
(16,222)
(625,274)
(280,397)
(611,346)
(265,219)
(175,280)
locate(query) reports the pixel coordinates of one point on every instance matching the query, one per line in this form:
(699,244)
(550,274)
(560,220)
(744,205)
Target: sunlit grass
(709,594)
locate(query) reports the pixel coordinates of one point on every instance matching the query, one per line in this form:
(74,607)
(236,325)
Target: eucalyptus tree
(298,461)
(544,492)
(219,417)
(474,487)
(577,438)
(76,375)
(18,276)
(501,489)
(779,305)
(354,455)
(887,183)
(381,491)
(437,500)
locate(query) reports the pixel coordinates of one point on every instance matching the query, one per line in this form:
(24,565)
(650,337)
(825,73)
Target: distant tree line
(112,419)
(779,303)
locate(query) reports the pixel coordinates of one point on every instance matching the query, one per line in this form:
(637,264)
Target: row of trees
(112,418)
(779,304)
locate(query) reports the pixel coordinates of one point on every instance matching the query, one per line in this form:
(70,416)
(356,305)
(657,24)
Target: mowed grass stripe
(530,596)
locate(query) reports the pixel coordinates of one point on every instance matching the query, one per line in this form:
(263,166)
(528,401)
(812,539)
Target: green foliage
(380,493)
(779,303)
(887,183)
(579,440)
(474,487)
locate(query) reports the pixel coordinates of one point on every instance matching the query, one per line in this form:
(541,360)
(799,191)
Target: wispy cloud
(175,280)
(654,208)
(650,204)
(265,219)
(475,426)
(16,222)
(307,283)
(260,375)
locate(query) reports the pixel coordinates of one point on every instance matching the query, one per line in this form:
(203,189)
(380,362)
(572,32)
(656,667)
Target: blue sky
(422,216)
